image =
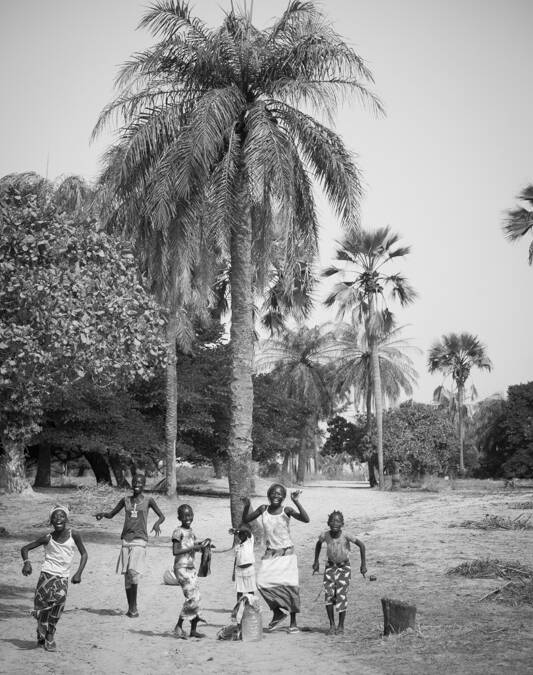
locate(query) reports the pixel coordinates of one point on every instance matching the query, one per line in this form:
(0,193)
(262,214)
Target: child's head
(243,532)
(185,514)
(138,482)
(276,493)
(335,520)
(59,517)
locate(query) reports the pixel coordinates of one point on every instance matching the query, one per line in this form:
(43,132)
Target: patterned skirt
(336,582)
(187,578)
(49,601)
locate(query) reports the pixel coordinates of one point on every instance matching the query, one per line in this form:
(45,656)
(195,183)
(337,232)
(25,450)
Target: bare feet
(180,633)
(132,613)
(331,630)
(196,634)
(340,630)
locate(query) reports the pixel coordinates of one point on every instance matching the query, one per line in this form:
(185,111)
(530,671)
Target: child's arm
(26,565)
(76,578)
(301,514)
(318,547)
(247,517)
(157,525)
(111,514)
(362,551)
(178,550)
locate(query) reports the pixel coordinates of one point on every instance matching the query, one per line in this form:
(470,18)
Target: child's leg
(342,615)
(342,595)
(331,616)
(131,582)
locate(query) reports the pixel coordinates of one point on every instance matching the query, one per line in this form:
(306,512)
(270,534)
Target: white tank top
(58,557)
(277,530)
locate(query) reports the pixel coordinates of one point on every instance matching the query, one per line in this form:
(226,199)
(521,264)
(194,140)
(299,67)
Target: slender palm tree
(361,293)
(295,359)
(456,355)
(520,221)
(349,351)
(212,135)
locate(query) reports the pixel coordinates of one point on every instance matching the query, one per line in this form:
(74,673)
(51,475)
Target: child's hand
(76,578)
(26,568)
(363,569)
(316,567)
(295,495)
(99,515)
(156,529)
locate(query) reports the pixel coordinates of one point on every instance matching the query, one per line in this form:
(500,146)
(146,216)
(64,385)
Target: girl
(277,577)
(184,546)
(131,560)
(244,567)
(337,572)
(52,587)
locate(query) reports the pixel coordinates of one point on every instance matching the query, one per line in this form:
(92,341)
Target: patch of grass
(487,568)
(516,593)
(193,475)
(495,522)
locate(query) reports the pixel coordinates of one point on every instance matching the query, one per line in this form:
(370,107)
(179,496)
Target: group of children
(276,577)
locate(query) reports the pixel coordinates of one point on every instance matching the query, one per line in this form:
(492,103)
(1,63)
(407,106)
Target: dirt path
(410,547)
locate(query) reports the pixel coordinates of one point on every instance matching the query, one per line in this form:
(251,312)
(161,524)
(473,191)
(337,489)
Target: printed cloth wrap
(49,601)
(277,580)
(336,582)
(187,578)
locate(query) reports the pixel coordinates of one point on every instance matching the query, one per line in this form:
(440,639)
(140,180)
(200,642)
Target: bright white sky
(441,168)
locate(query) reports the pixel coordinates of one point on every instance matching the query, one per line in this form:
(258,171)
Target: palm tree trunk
(460,398)
(241,340)
(378,398)
(368,407)
(13,466)
(171,417)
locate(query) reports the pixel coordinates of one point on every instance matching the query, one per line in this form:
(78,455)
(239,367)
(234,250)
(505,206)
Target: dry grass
(487,568)
(495,522)
(517,593)
(522,506)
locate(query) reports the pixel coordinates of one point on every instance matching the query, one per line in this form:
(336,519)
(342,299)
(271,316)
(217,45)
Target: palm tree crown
(456,355)
(520,221)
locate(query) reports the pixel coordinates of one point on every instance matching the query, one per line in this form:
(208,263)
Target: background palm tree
(349,350)
(212,136)
(456,355)
(361,293)
(296,362)
(520,221)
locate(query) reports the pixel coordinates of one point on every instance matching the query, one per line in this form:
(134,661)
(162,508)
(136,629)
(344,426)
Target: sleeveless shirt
(58,556)
(277,530)
(135,519)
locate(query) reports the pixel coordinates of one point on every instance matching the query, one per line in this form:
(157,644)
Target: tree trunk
(99,466)
(368,423)
(397,616)
(44,464)
(303,450)
(118,467)
(376,381)
(217,465)
(171,418)
(241,340)
(460,398)
(13,466)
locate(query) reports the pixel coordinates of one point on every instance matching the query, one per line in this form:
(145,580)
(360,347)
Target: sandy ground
(410,546)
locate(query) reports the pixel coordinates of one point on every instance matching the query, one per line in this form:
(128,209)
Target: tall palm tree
(213,137)
(295,358)
(456,355)
(361,293)
(349,350)
(520,221)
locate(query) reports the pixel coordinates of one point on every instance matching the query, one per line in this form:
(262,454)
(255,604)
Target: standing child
(52,586)
(277,577)
(244,567)
(337,571)
(184,546)
(132,557)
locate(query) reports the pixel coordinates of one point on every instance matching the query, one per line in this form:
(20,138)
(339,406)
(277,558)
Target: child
(244,568)
(337,571)
(131,560)
(52,587)
(184,546)
(277,577)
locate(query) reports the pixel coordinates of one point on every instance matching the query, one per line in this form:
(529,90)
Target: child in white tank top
(52,586)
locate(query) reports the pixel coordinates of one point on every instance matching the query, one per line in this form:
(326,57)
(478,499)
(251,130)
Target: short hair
(274,486)
(335,513)
(182,508)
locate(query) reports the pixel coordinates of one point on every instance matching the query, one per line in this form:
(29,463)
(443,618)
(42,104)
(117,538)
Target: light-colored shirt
(277,530)
(186,539)
(244,553)
(58,556)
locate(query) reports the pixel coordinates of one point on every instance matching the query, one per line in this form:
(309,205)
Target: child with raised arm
(337,571)
(52,586)
(132,558)
(277,576)
(184,546)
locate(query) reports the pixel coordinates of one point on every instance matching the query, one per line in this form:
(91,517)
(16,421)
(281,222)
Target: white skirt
(245,579)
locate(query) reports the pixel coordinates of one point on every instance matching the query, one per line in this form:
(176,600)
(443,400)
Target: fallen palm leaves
(518,589)
(494,522)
